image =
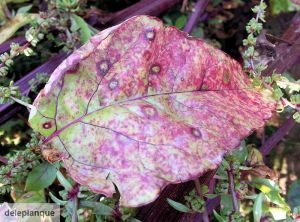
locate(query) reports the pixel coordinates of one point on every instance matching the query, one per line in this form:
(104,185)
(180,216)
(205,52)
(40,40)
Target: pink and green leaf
(142,105)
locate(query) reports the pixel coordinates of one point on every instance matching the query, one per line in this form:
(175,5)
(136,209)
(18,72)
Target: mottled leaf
(141,106)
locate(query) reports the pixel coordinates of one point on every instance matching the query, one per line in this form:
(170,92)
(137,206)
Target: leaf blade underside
(142,105)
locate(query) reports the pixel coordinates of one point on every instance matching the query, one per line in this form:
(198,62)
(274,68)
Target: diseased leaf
(141,106)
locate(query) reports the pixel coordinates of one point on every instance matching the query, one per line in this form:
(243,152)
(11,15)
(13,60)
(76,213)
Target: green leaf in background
(32,197)
(271,191)
(56,200)
(181,21)
(179,206)
(168,20)
(227,204)
(98,208)
(41,177)
(11,26)
(219,217)
(257,207)
(63,181)
(293,195)
(282,6)
(24,9)
(85,31)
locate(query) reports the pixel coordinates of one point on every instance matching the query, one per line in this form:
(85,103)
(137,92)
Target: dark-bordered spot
(196,133)
(103,67)
(47,125)
(150,34)
(113,84)
(149,111)
(155,69)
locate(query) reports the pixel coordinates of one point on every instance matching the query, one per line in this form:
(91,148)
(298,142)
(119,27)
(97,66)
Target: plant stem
(74,212)
(277,136)
(199,192)
(232,188)
(29,106)
(193,19)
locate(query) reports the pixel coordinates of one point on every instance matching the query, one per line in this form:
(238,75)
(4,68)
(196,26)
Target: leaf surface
(141,106)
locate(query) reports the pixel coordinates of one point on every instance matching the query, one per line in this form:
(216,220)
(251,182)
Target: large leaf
(142,106)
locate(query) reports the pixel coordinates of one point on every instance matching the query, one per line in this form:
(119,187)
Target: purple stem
(6,45)
(277,136)
(144,7)
(211,204)
(7,110)
(195,16)
(232,188)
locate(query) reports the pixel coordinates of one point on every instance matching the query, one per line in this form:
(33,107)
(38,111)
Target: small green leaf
(86,32)
(24,9)
(271,190)
(226,203)
(56,200)
(181,21)
(63,181)
(168,20)
(41,177)
(219,217)
(257,207)
(98,208)
(211,196)
(179,206)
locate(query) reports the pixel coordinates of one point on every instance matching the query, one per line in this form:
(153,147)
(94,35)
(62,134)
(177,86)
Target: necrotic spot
(155,69)
(150,34)
(149,111)
(47,125)
(103,67)
(113,84)
(196,133)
